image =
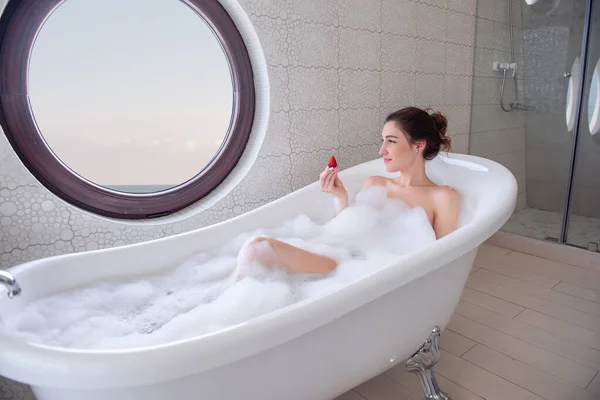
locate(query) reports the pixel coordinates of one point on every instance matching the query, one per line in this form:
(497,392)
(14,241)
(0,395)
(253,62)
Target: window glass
(132,97)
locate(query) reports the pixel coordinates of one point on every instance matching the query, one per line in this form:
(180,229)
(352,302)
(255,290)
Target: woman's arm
(342,200)
(331,183)
(340,204)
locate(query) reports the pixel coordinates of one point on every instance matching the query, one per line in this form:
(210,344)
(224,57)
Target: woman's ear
(419,146)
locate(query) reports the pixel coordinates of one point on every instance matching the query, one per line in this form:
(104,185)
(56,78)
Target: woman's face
(397,152)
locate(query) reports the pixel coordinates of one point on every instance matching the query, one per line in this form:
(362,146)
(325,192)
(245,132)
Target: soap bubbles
(204,295)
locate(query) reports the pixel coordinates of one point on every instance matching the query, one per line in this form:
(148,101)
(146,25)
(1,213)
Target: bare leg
(291,257)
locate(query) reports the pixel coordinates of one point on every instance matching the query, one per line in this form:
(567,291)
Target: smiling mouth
(387,160)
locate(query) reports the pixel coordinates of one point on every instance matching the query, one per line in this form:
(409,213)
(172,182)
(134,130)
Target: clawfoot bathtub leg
(422,362)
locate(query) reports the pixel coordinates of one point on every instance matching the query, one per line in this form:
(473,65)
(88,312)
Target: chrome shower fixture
(505,66)
(510,66)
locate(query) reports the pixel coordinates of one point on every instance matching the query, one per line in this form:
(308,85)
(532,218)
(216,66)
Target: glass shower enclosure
(558,87)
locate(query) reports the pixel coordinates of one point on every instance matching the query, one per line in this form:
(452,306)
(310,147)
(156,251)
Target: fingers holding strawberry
(332,164)
(330,182)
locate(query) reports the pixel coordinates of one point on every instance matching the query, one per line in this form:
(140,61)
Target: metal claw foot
(422,362)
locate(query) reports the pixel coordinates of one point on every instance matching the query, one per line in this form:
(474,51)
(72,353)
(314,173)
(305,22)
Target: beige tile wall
(496,134)
(335,68)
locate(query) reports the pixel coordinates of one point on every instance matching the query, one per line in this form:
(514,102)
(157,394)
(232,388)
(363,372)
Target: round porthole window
(594,102)
(126,108)
(571,92)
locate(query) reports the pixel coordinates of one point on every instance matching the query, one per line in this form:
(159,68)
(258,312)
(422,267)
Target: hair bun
(441,122)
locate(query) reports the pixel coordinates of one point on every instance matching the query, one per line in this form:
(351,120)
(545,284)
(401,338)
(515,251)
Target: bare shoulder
(445,195)
(375,181)
(446,201)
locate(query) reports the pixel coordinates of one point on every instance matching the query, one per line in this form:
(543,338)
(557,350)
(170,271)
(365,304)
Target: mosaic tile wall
(336,68)
(496,134)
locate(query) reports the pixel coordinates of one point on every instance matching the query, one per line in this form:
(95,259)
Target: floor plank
(489,253)
(491,303)
(555,270)
(521,274)
(562,328)
(455,343)
(534,303)
(350,395)
(578,291)
(595,384)
(553,296)
(552,342)
(479,381)
(526,376)
(544,360)
(382,387)
(410,380)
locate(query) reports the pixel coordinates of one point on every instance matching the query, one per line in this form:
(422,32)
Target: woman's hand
(331,183)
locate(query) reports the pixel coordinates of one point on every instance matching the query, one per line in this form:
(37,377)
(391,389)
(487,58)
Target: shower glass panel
(548,78)
(583,224)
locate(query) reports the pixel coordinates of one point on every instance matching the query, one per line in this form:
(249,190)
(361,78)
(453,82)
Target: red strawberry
(332,162)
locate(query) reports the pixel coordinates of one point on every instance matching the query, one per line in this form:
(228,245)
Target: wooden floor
(525,328)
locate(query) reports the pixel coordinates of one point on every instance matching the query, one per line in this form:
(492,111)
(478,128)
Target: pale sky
(130,92)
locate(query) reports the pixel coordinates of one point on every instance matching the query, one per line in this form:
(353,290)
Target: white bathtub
(312,350)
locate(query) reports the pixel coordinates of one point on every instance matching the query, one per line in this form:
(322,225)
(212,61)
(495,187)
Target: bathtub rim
(243,340)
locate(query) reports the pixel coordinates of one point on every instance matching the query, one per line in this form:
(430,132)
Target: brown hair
(418,124)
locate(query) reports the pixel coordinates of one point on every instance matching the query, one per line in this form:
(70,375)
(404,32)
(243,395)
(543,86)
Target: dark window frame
(19,26)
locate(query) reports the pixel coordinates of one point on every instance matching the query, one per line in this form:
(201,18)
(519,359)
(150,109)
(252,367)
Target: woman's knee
(259,249)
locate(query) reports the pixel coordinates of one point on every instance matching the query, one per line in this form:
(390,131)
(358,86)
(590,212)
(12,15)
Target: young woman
(410,136)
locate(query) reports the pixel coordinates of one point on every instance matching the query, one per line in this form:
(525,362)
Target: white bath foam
(202,295)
